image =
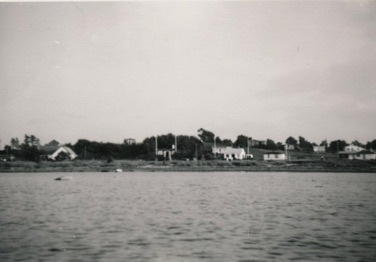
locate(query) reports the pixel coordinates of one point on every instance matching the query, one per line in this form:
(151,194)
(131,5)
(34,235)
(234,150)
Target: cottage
(166,153)
(274,156)
(229,153)
(256,143)
(319,149)
(363,155)
(57,153)
(353,148)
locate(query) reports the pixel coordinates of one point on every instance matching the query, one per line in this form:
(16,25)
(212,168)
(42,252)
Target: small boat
(119,170)
(64,178)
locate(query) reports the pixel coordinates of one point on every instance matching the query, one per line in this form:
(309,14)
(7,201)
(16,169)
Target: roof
(48,149)
(365,152)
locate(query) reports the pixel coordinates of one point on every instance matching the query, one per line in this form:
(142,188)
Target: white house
(274,156)
(58,153)
(319,149)
(363,155)
(353,148)
(229,153)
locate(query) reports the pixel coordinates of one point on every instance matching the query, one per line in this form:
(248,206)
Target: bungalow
(256,143)
(353,148)
(229,153)
(363,155)
(57,153)
(319,149)
(274,156)
(166,153)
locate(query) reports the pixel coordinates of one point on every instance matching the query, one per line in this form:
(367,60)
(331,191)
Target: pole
(215,149)
(248,146)
(196,150)
(156,148)
(176,144)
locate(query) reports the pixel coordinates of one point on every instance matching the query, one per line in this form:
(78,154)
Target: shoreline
(333,166)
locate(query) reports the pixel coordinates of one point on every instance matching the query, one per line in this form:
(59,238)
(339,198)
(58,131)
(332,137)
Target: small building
(363,155)
(319,149)
(256,143)
(57,153)
(229,153)
(353,148)
(166,153)
(274,156)
(130,141)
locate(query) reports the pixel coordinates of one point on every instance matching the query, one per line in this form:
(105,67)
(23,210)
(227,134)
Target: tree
(324,143)
(241,141)
(15,143)
(291,141)
(305,145)
(205,135)
(270,144)
(371,145)
(337,145)
(357,143)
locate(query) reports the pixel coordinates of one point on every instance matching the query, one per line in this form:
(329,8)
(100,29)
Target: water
(188,217)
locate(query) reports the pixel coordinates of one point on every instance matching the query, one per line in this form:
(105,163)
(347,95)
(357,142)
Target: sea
(188,216)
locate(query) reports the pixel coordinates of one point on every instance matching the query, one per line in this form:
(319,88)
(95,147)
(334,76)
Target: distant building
(255,143)
(274,156)
(353,148)
(57,153)
(319,149)
(229,153)
(361,155)
(130,141)
(166,153)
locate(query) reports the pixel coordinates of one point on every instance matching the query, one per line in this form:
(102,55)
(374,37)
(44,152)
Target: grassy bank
(201,166)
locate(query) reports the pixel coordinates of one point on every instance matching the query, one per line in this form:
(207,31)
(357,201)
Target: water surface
(232,216)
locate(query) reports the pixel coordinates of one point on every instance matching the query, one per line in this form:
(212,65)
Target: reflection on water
(188,217)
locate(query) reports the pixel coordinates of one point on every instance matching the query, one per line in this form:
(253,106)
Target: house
(229,153)
(353,148)
(57,153)
(363,155)
(130,141)
(319,149)
(274,156)
(255,143)
(166,153)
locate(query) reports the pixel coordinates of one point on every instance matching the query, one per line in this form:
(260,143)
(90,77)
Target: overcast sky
(109,71)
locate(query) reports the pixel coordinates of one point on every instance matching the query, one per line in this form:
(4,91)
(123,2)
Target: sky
(109,71)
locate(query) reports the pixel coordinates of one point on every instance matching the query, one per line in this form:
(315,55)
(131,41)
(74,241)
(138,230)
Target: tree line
(187,146)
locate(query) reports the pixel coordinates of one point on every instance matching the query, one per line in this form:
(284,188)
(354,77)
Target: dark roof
(48,149)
